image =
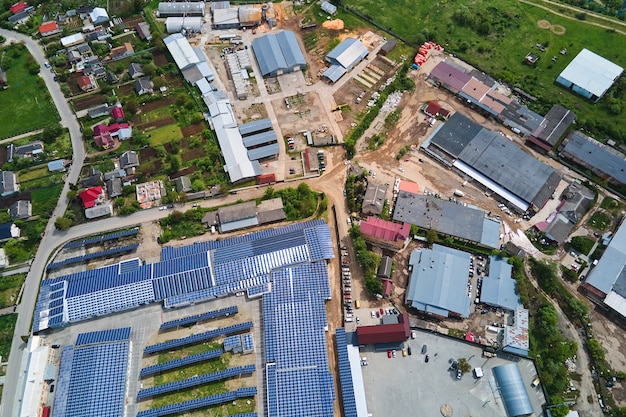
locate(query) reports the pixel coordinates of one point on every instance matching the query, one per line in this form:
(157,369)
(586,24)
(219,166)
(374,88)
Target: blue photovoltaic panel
(194,381)
(101,239)
(181,283)
(199,317)
(56,294)
(345,375)
(176,343)
(129,266)
(232,343)
(198,403)
(103,336)
(103,254)
(55,303)
(178,363)
(63,381)
(248,342)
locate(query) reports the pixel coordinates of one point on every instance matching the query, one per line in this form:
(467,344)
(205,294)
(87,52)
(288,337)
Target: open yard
(495,36)
(10,288)
(7,326)
(45,199)
(26,104)
(165,134)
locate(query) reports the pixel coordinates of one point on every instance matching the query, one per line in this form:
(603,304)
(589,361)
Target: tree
(149,69)
(87,134)
(63,223)
(50,133)
(72,195)
(198,185)
(464,365)
(431,236)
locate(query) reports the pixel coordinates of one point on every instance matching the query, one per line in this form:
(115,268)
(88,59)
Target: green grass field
(9,288)
(26,104)
(495,36)
(165,134)
(7,326)
(44,200)
(34,173)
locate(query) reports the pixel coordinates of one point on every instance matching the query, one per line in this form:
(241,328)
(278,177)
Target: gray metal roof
(237,212)
(263,152)
(255,126)
(512,390)
(278,52)
(596,156)
(446,217)
(455,134)
(498,288)
(181,8)
(611,265)
(182,52)
(335,72)
(555,124)
(438,282)
(348,53)
(592,72)
(259,139)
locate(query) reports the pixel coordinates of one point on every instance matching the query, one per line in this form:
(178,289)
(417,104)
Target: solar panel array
(345,374)
(259,290)
(298,377)
(104,336)
(198,403)
(92,375)
(179,363)
(248,342)
(233,344)
(95,255)
(184,341)
(199,317)
(185,275)
(195,381)
(101,239)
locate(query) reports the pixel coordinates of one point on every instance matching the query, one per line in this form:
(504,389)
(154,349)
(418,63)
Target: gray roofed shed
(278,53)
(257,139)
(498,288)
(384,269)
(21,209)
(255,126)
(271,210)
(374,198)
(263,152)
(554,125)
(348,53)
(237,216)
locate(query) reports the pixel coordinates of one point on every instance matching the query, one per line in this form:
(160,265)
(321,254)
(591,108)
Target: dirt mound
(336,24)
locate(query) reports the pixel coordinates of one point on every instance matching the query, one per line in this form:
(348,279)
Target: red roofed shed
(266,179)
(117,113)
(384,333)
(409,187)
(18,7)
(90,196)
(384,229)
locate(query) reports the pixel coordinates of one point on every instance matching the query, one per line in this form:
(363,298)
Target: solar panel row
(102,254)
(181,283)
(248,342)
(179,363)
(345,374)
(103,238)
(195,381)
(259,290)
(129,266)
(184,341)
(103,336)
(198,403)
(232,344)
(199,317)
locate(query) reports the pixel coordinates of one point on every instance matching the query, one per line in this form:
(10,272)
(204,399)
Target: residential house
(143,31)
(18,7)
(114,187)
(83,49)
(49,29)
(22,16)
(9,231)
(84,11)
(21,209)
(92,196)
(129,159)
(98,111)
(99,211)
(74,56)
(102,136)
(121,131)
(122,51)
(117,113)
(118,173)
(94,178)
(183,184)
(374,199)
(24,151)
(135,70)
(72,40)
(86,83)
(98,15)
(8,184)
(111,78)
(144,86)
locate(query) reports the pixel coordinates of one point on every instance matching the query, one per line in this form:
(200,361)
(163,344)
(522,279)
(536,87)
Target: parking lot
(408,386)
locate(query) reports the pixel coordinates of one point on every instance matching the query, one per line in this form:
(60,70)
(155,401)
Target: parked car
(389,354)
(408,350)
(426,359)
(424,349)
(459,374)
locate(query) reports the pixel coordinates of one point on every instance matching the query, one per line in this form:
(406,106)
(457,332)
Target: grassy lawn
(33,173)
(509,31)
(165,134)
(7,326)
(41,182)
(612,205)
(44,200)
(160,113)
(599,220)
(10,288)
(26,104)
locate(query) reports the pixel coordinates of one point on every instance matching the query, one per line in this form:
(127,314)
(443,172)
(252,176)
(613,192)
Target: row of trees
(368,261)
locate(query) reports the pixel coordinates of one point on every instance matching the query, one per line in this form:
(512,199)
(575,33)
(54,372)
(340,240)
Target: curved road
(49,241)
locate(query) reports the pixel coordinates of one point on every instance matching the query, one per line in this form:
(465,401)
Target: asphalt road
(51,238)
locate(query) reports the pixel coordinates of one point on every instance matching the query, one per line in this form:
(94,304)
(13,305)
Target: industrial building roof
(181,8)
(335,72)
(383,229)
(555,124)
(226,16)
(612,264)
(255,126)
(513,390)
(438,281)
(263,152)
(374,198)
(596,155)
(237,212)
(385,333)
(447,74)
(259,138)
(447,217)
(516,336)
(498,287)
(180,49)
(178,23)
(277,52)
(592,72)
(348,53)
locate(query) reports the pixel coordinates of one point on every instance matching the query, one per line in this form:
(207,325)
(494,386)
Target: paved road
(25,309)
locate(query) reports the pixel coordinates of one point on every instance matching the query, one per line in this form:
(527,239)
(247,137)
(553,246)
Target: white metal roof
(33,388)
(181,51)
(611,265)
(592,72)
(72,39)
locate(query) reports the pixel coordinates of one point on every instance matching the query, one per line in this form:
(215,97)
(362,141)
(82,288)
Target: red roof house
(433,109)
(49,28)
(409,187)
(100,129)
(374,228)
(18,7)
(90,196)
(85,83)
(117,113)
(385,333)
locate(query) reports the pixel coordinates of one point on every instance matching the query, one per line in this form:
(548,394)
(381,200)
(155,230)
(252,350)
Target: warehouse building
(250,16)
(181,9)
(278,54)
(494,162)
(498,287)
(184,24)
(224,16)
(552,128)
(438,282)
(589,75)
(513,390)
(344,57)
(259,139)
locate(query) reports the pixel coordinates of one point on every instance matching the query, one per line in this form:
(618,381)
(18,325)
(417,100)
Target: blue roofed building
(278,54)
(498,287)
(438,282)
(513,390)
(344,57)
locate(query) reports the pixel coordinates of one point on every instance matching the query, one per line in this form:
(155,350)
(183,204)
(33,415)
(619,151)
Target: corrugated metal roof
(263,152)
(512,390)
(335,72)
(516,336)
(592,72)
(450,76)
(255,126)
(259,138)
(611,265)
(278,52)
(181,50)
(596,155)
(181,8)
(438,282)
(290,49)
(348,53)
(498,288)
(177,24)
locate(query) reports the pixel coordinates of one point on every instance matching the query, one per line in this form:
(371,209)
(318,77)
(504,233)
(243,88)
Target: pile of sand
(336,24)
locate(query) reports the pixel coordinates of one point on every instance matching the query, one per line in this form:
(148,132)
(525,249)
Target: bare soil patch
(157,123)
(544,24)
(558,29)
(186,171)
(336,24)
(157,104)
(88,102)
(159,58)
(192,154)
(192,130)
(147,154)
